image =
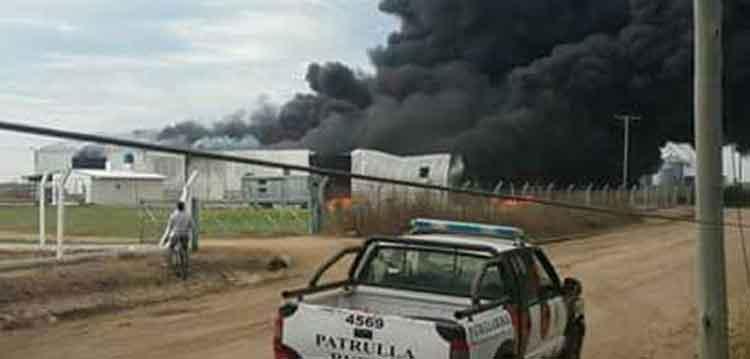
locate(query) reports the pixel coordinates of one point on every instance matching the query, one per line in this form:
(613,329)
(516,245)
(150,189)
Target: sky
(112,66)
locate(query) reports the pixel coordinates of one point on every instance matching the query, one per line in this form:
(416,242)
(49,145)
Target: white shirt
(180,223)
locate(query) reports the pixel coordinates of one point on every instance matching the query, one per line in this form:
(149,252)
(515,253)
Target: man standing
(179,229)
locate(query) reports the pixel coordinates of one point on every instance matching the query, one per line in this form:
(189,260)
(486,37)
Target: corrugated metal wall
(223,180)
(124,192)
(432,169)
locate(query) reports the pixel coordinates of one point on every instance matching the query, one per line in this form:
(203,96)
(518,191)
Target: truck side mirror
(572,287)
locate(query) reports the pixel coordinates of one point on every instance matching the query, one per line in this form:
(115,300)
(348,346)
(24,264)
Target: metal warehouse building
(438,169)
(125,176)
(679,165)
(113,188)
(60,156)
(257,184)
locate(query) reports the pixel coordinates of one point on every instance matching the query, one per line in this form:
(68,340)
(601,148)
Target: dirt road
(638,287)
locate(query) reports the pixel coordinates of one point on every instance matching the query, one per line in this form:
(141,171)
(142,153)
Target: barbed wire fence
(385,209)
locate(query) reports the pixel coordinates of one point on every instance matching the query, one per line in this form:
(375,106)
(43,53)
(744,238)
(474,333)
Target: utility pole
(710,262)
(626,155)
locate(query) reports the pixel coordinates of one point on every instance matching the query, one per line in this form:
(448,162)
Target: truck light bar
(424,226)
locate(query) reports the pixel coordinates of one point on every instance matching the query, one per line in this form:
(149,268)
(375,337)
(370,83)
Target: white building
(679,165)
(59,157)
(113,188)
(171,166)
(438,169)
(54,157)
(219,180)
(736,166)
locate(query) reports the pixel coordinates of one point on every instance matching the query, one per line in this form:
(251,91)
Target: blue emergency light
(427,226)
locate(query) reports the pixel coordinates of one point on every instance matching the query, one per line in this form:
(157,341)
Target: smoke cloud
(523,89)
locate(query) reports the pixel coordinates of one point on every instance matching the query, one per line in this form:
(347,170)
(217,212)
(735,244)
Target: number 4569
(359,320)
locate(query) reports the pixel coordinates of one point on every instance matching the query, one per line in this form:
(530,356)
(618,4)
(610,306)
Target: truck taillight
(280,350)
(459,349)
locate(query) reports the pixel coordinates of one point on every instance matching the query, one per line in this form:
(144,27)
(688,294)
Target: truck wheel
(574,341)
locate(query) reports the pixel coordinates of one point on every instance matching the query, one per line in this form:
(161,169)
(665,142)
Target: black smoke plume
(90,156)
(523,89)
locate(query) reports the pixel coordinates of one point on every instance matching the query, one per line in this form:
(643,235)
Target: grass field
(116,222)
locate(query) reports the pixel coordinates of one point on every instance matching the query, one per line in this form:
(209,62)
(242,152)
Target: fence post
(525,188)
(512,189)
(606,194)
(633,191)
(498,190)
(652,200)
(378,202)
(141,222)
(317,201)
(550,188)
(42,209)
(588,194)
(498,187)
(570,192)
(61,211)
(195,211)
(660,196)
(60,216)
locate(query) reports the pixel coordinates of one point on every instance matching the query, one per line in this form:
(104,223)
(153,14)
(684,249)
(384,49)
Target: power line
(192,153)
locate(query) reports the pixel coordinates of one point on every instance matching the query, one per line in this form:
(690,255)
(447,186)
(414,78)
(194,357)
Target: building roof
(61,146)
(387,156)
(103,174)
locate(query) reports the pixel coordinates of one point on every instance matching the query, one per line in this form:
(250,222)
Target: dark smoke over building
(90,157)
(523,89)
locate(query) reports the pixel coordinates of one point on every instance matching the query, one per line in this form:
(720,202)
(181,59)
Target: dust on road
(638,286)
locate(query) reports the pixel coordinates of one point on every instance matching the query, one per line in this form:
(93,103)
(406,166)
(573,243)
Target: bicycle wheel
(183,265)
(176,262)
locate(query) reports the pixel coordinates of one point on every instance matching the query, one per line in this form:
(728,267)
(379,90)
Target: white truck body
(367,317)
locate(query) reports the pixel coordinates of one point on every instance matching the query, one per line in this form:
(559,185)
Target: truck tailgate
(320,332)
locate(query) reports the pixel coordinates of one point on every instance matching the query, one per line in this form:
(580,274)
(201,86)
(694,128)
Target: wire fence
(377,208)
(220,219)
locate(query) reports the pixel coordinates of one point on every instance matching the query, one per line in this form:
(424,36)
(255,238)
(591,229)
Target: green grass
(246,221)
(115,222)
(79,221)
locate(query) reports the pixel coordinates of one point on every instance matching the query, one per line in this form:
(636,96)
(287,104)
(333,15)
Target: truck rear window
(426,270)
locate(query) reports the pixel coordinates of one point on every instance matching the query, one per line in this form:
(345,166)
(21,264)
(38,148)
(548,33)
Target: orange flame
(501,202)
(343,203)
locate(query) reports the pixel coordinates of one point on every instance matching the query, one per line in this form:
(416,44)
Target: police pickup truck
(446,290)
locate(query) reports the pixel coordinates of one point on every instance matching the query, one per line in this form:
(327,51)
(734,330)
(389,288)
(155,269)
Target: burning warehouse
(224,181)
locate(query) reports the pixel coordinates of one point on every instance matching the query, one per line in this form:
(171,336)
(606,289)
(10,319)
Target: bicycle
(179,259)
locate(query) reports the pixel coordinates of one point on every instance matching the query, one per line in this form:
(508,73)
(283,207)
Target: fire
(343,203)
(501,202)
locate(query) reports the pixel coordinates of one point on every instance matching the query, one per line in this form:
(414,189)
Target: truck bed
(391,303)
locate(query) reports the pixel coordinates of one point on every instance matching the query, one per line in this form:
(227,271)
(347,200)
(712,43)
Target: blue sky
(113,65)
